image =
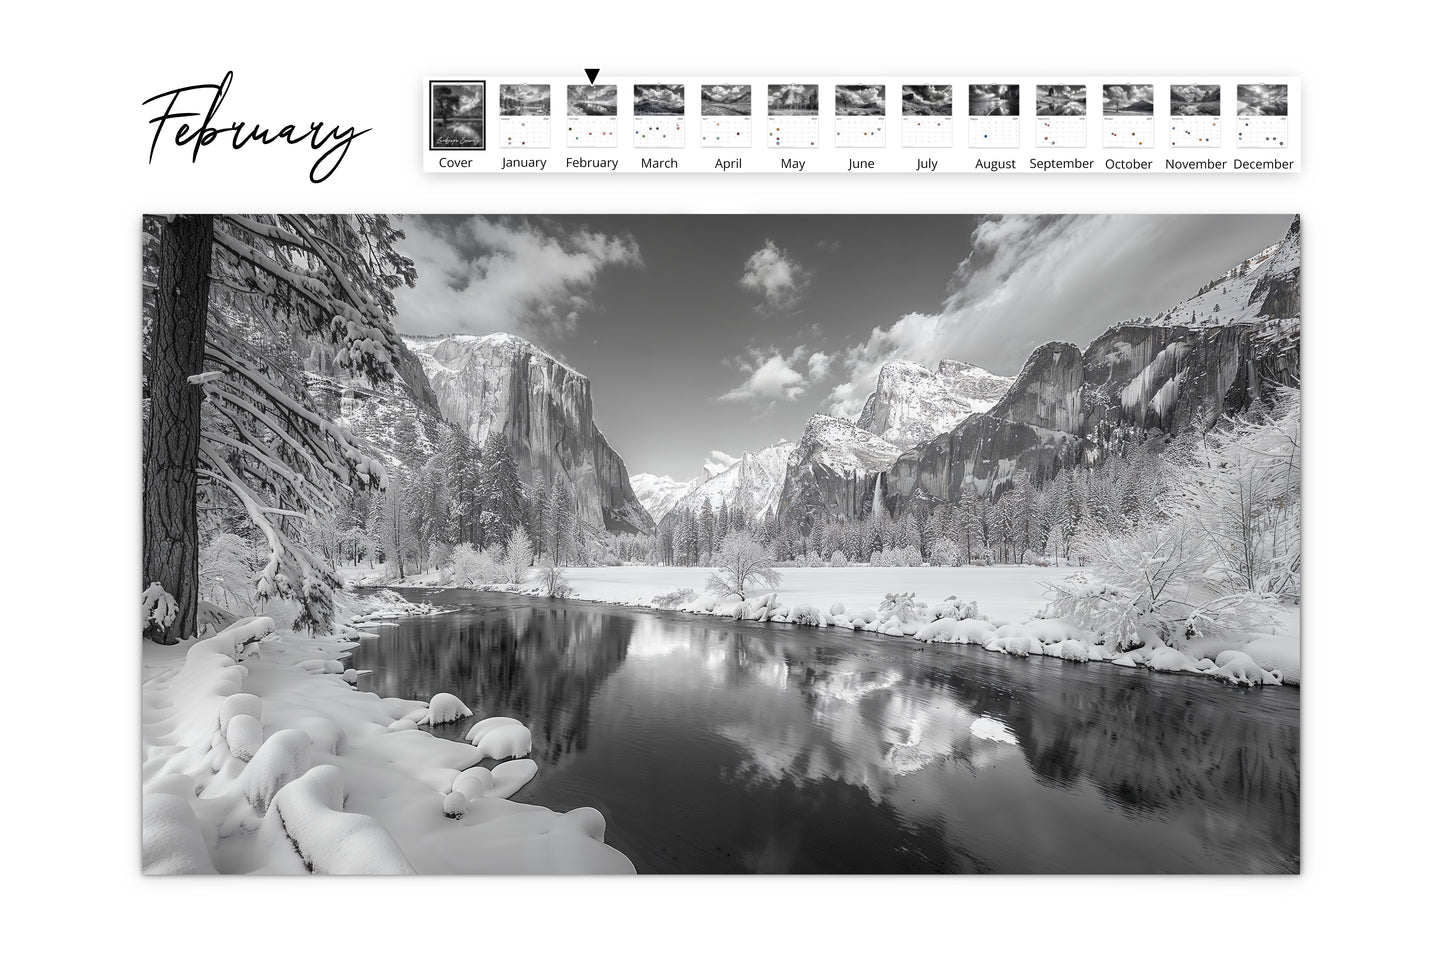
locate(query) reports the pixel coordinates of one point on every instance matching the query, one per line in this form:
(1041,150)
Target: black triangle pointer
(592,73)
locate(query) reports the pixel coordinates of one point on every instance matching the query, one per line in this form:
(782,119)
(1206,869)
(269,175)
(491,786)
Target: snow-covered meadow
(999,607)
(260,756)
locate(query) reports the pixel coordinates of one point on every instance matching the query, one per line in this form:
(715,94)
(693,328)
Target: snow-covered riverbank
(998,607)
(259,756)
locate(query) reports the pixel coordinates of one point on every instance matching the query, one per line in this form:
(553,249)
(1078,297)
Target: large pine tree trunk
(172,439)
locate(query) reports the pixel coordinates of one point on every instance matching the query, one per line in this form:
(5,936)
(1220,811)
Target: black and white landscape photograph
(928,100)
(1194,100)
(1129,99)
(993,100)
(525,100)
(858,100)
(458,115)
(727,100)
(657,99)
(1262,100)
(591,100)
(721,544)
(797,99)
(1060,100)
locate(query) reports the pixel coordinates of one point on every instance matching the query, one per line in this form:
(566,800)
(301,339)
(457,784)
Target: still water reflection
(714,746)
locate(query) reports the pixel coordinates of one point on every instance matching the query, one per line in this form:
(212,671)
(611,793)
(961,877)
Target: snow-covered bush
(552,578)
(946,551)
(516,561)
(677,597)
(838,560)
(473,567)
(902,606)
(806,615)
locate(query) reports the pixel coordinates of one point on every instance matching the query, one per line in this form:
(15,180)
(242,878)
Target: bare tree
(744,565)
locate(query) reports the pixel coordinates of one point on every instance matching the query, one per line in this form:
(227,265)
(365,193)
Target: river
(714,746)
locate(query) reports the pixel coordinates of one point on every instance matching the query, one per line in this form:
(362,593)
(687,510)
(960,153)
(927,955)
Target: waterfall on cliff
(878,496)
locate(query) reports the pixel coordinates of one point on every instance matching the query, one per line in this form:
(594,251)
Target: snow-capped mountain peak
(912,404)
(1263,287)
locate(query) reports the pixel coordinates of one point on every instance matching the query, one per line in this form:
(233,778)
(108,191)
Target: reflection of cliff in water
(1152,746)
(535,664)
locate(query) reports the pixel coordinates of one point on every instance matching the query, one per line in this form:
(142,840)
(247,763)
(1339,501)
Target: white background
(76,182)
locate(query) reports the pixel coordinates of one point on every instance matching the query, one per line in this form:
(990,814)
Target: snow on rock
(445,707)
(1165,659)
(911,404)
(751,485)
(171,838)
(501,738)
(509,776)
(454,806)
(1240,669)
(474,783)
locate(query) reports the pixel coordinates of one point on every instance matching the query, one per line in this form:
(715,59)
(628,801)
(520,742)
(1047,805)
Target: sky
(706,335)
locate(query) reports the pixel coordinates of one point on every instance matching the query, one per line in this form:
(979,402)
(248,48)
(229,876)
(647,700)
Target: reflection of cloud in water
(992,729)
(852,686)
(871,743)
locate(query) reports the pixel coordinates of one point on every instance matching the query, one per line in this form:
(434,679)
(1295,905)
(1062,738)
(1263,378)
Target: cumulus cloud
(771,273)
(1031,279)
(718,461)
(772,376)
(480,274)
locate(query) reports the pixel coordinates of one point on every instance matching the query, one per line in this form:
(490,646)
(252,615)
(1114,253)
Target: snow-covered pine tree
(501,489)
(260,443)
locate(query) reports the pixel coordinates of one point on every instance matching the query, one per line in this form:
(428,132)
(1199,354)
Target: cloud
(718,462)
(1031,279)
(818,365)
(773,376)
(481,274)
(770,272)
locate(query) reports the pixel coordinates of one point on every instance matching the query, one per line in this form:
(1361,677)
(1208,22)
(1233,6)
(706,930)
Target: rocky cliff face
(1068,406)
(834,470)
(1137,378)
(502,383)
(911,404)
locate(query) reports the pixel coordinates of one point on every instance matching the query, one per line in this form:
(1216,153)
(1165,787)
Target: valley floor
(1008,617)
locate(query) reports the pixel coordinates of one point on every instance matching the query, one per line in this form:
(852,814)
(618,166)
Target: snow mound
(501,738)
(445,707)
(171,838)
(281,759)
(306,823)
(243,736)
(1165,659)
(510,776)
(1240,669)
